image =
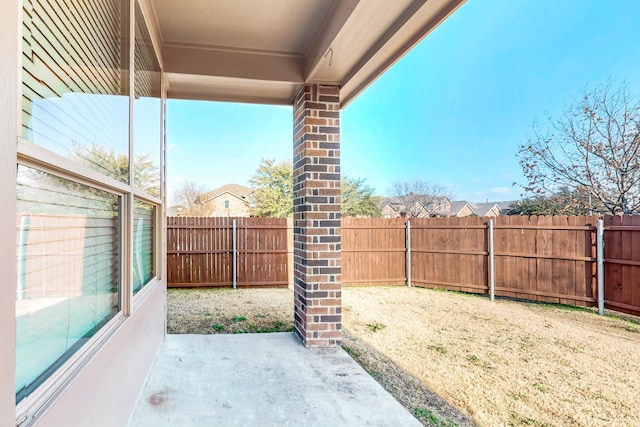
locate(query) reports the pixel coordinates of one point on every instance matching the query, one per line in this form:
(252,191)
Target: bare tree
(186,197)
(594,145)
(419,198)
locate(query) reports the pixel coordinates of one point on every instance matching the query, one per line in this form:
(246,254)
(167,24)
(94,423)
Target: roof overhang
(262,52)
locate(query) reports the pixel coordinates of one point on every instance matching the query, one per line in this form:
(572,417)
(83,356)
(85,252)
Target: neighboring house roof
(485,209)
(423,210)
(237,190)
(389,200)
(457,206)
(505,205)
(395,206)
(452,208)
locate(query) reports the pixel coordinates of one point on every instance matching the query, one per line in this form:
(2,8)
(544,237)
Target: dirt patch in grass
(501,363)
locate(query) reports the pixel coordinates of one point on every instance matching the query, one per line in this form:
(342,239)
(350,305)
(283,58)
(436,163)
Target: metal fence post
(408,244)
(235,254)
(600,264)
(491,263)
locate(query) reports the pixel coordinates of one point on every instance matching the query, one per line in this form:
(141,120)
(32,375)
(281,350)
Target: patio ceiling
(261,51)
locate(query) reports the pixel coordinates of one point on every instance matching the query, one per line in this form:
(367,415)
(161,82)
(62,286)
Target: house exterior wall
(10,51)
(237,206)
(389,212)
(443,205)
(465,211)
(105,392)
(494,211)
(316,216)
(98,384)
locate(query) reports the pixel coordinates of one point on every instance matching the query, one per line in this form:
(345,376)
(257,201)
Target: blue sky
(453,111)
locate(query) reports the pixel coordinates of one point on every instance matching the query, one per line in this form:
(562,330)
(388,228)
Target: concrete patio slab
(261,380)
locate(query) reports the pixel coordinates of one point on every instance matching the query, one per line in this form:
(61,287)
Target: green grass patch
(238,319)
(424,414)
(218,327)
(439,348)
(350,351)
(376,326)
(540,386)
(518,420)
(474,359)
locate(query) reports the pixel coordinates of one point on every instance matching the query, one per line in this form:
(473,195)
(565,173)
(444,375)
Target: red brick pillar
(316,215)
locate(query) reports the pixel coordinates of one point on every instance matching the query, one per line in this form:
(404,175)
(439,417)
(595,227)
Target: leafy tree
(107,162)
(104,160)
(187,197)
(564,202)
(420,198)
(358,198)
(273,192)
(593,146)
(273,189)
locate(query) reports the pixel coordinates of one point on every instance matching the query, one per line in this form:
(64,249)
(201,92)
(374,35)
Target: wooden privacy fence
(550,259)
(200,252)
(547,258)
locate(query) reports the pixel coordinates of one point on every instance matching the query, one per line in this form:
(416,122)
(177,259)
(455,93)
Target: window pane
(147,112)
(144,216)
(75,83)
(68,254)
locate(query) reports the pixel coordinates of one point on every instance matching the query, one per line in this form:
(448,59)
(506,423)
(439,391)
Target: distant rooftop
(235,189)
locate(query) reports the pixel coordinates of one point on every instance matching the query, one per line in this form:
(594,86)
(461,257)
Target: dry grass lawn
(229,311)
(501,363)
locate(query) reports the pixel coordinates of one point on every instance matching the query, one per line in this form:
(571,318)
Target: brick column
(316,215)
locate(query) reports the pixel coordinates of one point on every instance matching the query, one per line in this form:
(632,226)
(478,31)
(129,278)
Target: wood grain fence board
(500,239)
(545,247)
(613,249)
(517,270)
(559,267)
(628,272)
(529,265)
(572,267)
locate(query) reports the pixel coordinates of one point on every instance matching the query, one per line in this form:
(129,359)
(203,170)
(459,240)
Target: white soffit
(262,51)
